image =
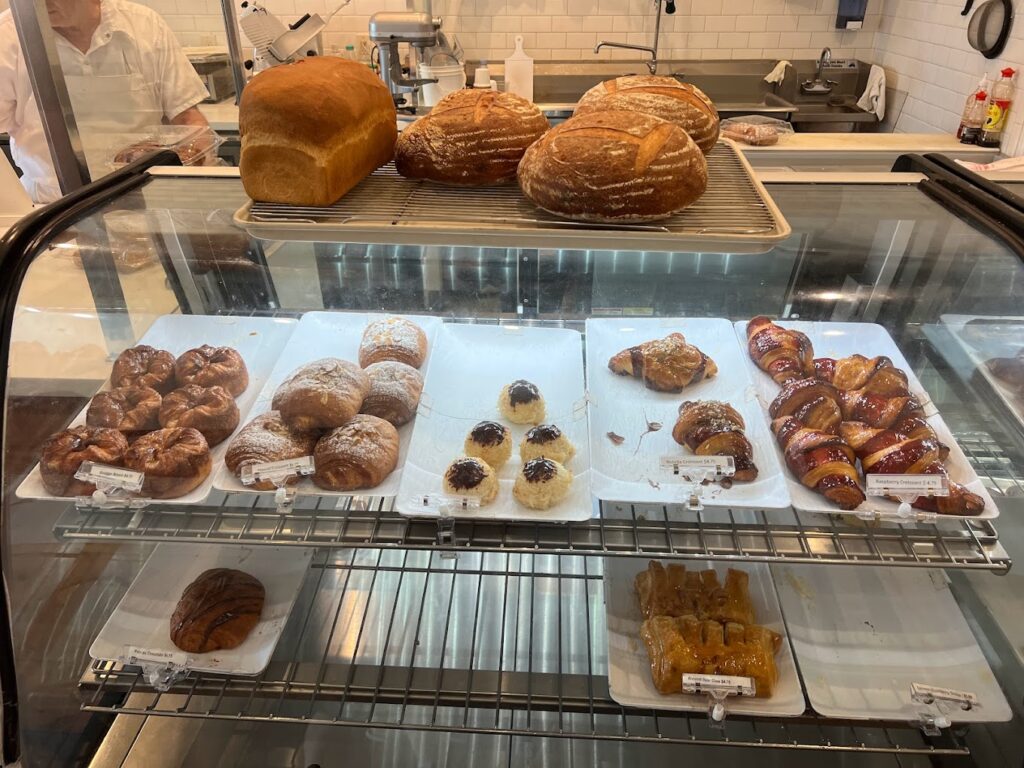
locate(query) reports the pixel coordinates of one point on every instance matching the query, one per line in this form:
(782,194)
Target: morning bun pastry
(359,455)
(323,394)
(521,402)
(542,483)
(174,461)
(265,439)
(489,441)
(126,409)
(546,440)
(211,410)
(471,477)
(64,452)
(395,390)
(393,338)
(144,366)
(213,367)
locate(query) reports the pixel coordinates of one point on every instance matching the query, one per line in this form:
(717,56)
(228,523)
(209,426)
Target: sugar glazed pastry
(144,366)
(674,590)
(783,354)
(712,428)
(521,403)
(126,409)
(174,461)
(665,365)
(542,483)
(65,452)
(323,394)
(821,461)
(264,439)
(491,442)
(211,410)
(546,440)
(471,477)
(393,338)
(359,455)
(395,390)
(213,366)
(217,611)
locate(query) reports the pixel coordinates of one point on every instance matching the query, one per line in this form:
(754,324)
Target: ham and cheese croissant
(783,354)
(665,365)
(821,461)
(711,428)
(814,403)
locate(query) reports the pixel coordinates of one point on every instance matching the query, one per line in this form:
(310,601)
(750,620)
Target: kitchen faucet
(652,65)
(817,85)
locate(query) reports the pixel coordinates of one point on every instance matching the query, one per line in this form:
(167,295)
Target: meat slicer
(388,29)
(273,41)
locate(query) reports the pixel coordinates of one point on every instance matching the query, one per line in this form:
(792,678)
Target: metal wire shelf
(409,640)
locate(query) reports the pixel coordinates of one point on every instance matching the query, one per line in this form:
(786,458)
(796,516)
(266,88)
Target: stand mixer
(387,30)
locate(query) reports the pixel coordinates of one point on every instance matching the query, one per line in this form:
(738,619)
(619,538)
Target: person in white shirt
(125,73)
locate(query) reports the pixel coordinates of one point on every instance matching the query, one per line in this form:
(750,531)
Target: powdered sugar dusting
(391,332)
(268,438)
(392,379)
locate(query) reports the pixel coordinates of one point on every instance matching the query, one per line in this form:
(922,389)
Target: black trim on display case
(18,249)
(997,191)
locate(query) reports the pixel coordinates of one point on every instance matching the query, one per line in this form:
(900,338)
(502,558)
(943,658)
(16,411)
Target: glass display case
(450,634)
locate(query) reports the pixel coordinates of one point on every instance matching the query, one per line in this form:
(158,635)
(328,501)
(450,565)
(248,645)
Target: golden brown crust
(127,409)
(213,366)
(323,394)
(144,366)
(211,410)
(821,461)
(217,611)
(675,590)
(267,438)
(174,461)
(360,454)
(64,452)
(783,354)
(665,365)
(395,390)
(393,338)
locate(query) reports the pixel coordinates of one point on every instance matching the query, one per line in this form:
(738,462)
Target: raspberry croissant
(665,365)
(878,411)
(711,428)
(876,375)
(823,462)
(783,354)
(815,403)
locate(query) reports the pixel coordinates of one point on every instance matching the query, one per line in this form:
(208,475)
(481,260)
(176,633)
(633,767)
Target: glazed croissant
(783,354)
(676,591)
(823,462)
(878,411)
(814,403)
(665,365)
(711,428)
(876,375)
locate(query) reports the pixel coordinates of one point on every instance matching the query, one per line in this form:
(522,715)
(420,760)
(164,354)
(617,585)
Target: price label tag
(717,466)
(722,684)
(110,477)
(135,655)
(445,506)
(926,694)
(277,471)
(907,485)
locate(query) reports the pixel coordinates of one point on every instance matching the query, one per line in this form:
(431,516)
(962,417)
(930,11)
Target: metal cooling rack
(409,640)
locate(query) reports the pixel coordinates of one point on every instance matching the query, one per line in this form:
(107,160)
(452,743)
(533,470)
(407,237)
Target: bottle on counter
(973,119)
(998,110)
(985,84)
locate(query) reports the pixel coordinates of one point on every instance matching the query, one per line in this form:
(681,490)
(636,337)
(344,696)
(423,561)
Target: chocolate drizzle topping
(521,392)
(539,470)
(544,433)
(464,474)
(488,433)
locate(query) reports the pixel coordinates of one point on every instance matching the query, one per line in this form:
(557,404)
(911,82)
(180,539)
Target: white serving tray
(470,365)
(143,617)
(319,335)
(841,340)
(623,405)
(257,339)
(862,635)
(1005,339)
(629,667)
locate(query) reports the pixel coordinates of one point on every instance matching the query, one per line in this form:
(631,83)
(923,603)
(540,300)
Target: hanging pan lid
(990,27)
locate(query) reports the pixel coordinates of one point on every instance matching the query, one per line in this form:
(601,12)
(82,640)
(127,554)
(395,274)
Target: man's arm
(204,141)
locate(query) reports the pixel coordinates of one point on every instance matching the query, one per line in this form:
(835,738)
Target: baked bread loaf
(312,130)
(322,395)
(217,611)
(174,461)
(213,366)
(393,338)
(395,390)
(471,477)
(614,166)
(471,138)
(489,441)
(64,452)
(681,103)
(211,410)
(144,366)
(267,438)
(360,454)
(126,409)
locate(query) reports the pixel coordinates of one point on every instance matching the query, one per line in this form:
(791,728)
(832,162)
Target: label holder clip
(718,689)
(116,488)
(279,473)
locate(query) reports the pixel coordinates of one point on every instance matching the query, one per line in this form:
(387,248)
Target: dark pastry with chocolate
(64,452)
(211,410)
(144,366)
(127,409)
(521,403)
(217,611)
(213,366)
(491,442)
(174,462)
(546,440)
(542,483)
(471,477)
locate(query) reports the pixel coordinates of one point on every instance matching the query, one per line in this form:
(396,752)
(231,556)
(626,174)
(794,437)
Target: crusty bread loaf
(614,166)
(312,130)
(471,138)
(681,103)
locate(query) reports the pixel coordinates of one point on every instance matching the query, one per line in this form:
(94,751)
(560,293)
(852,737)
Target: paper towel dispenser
(851,14)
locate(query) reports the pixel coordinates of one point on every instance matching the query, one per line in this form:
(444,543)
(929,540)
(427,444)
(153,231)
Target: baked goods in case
(542,483)
(783,354)
(546,440)
(65,452)
(312,130)
(470,138)
(264,439)
(489,441)
(395,390)
(681,103)
(712,428)
(878,410)
(471,477)
(821,461)
(674,590)
(217,611)
(393,338)
(323,394)
(360,454)
(144,366)
(873,374)
(1009,370)
(211,410)
(665,365)
(521,402)
(213,367)
(815,403)
(174,461)
(126,409)
(614,166)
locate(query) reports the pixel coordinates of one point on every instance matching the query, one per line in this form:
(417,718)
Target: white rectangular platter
(258,340)
(469,367)
(629,667)
(863,635)
(632,471)
(319,335)
(841,340)
(143,617)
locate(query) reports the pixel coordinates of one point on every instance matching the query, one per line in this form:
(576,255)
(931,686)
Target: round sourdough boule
(546,440)
(489,441)
(521,402)
(323,394)
(360,454)
(264,439)
(614,166)
(681,103)
(471,477)
(64,452)
(542,483)
(174,461)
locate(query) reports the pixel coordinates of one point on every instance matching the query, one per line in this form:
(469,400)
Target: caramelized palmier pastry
(359,455)
(783,354)
(393,338)
(265,439)
(489,441)
(64,452)
(823,462)
(711,428)
(211,410)
(665,365)
(471,477)
(144,366)
(546,440)
(521,403)
(126,409)
(395,390)
(213,366)
(542,483)
(174,461)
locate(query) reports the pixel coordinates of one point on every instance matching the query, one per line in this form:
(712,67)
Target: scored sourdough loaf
(471,138)
(614,166)
(681,103)
(312,130)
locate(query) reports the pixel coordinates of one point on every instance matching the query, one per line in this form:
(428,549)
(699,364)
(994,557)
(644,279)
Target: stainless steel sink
(832,117)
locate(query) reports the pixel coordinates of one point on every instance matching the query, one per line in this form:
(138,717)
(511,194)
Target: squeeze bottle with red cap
(974,119)
(998,110)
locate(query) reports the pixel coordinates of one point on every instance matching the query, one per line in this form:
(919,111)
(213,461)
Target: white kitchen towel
(777,74)
(873,98)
